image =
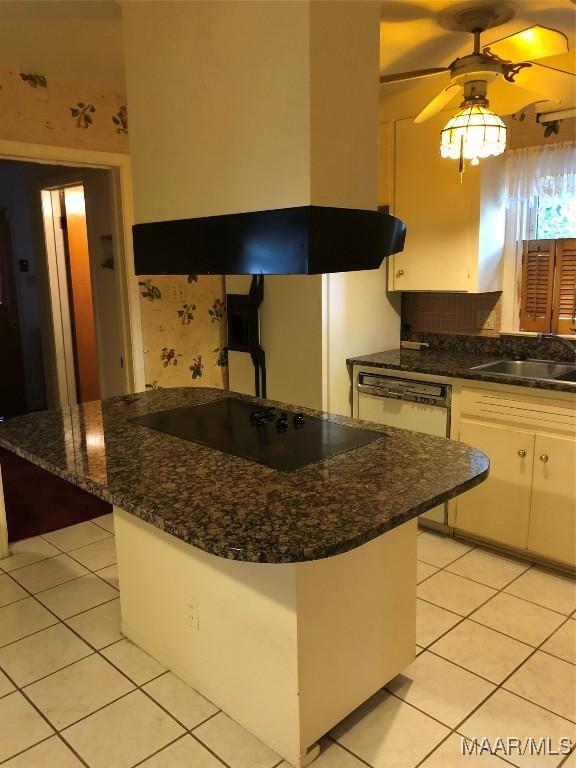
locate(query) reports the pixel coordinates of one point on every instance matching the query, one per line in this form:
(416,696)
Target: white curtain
(546,171)
(533,175)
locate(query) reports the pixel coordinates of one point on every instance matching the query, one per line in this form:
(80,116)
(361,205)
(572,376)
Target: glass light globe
(473,133)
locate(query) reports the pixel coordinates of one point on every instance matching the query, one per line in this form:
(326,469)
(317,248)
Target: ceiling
(412,38)
(77,40)
(82,39)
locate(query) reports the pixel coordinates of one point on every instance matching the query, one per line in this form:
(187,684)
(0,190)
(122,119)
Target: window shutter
(565,288)
(537,285)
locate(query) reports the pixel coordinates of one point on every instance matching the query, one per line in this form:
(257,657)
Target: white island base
(287,650)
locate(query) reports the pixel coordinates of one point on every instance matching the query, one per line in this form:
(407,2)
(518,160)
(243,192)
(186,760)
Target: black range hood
(306,240)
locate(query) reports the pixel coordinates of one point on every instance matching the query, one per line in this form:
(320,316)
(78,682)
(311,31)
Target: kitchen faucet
(566,342)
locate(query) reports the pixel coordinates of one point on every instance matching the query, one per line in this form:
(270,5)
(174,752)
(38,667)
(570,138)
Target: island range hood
(304,240)
(255,130)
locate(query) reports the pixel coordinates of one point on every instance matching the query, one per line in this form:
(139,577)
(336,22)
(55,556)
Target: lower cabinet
(529,499)
(552,529)
(499,508)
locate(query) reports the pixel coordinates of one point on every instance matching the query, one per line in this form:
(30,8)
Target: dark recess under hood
(306,240)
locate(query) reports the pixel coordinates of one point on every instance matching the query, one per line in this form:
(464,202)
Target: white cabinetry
(499,510)
(455,231)
(552,529)
(529,499)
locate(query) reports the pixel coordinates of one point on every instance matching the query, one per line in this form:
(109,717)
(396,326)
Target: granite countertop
(452,363)
(235,508)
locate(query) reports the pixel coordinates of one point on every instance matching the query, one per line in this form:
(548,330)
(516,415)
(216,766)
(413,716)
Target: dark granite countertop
(235,508)
(452,363)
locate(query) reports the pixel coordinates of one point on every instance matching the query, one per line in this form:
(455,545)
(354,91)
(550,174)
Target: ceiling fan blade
(553,84)
(439,102)
(508,98)
(412,75)
(530,44)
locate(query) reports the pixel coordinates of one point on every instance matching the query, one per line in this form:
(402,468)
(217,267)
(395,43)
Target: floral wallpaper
(40,110)
(184,330)
(183,317)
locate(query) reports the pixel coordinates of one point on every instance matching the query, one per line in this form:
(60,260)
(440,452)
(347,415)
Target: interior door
(499,508)
(80,285)
(553,509)
(12,379)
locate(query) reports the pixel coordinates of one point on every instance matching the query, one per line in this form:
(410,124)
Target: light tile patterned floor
(496,658)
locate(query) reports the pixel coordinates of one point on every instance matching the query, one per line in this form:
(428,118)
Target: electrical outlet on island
(191,615)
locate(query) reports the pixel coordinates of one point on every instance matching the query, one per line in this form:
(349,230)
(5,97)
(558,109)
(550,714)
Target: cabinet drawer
(536,413)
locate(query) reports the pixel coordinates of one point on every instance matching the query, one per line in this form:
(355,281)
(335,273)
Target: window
(556,218)
(540,255)
(548,289)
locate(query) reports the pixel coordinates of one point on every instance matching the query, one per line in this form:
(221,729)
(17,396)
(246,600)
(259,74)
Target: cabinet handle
(400,273)
(544,458)
(522,453)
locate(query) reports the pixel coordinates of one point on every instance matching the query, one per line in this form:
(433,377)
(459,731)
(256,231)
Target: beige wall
(42,114)
(228,129)
(344,93)
(258,106)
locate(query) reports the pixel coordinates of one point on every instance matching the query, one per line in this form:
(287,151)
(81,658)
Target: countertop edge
(256,556)
(467,375)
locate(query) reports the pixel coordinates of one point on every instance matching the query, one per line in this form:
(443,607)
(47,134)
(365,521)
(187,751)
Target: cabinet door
(440,213)
(499,508)
(552,530)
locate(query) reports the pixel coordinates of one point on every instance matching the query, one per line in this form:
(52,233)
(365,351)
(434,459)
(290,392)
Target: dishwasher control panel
(405,389)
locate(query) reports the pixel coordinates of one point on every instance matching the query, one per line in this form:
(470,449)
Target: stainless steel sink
(530,369)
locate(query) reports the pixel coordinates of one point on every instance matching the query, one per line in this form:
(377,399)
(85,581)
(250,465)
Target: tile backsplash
(475,314)
(506,346)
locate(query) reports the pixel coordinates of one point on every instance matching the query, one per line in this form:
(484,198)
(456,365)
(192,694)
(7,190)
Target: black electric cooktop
(278,439)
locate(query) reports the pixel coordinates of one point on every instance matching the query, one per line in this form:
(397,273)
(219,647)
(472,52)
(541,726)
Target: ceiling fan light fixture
(473,133)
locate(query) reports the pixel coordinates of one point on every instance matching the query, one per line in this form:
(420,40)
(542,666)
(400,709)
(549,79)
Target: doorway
(12,386)
(40,385)
(63,317)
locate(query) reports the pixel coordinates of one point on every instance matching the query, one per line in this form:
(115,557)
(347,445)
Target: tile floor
(496,658)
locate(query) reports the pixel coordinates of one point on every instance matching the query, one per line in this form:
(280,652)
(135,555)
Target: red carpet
(38,502)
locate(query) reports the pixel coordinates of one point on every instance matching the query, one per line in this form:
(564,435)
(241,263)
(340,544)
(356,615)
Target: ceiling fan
(515,58)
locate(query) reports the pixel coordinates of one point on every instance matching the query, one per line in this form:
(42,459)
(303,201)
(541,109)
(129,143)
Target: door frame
(122,219)
(57,340)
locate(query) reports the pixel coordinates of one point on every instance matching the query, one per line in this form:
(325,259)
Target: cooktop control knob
(298,420)
(270,413)
(282,422)
(258,419)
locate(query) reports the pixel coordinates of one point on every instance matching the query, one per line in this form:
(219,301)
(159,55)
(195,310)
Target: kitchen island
(285,597)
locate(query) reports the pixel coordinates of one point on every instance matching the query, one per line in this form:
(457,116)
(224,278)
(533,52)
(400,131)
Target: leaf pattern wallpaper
(40,110)
(184,330)
(183,317)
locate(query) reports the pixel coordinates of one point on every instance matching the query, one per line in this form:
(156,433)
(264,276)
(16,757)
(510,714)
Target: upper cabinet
(455,230)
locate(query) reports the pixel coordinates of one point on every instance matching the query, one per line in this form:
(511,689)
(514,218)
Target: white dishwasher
(420,406)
